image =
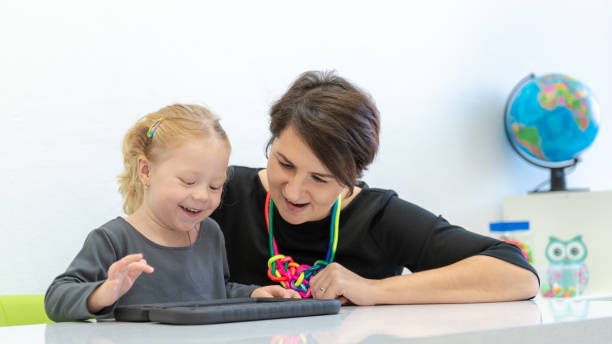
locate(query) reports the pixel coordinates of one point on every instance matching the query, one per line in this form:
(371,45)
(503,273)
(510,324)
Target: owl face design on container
(567,273)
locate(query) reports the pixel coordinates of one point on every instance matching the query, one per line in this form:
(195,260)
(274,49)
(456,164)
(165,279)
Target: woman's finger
(321,283)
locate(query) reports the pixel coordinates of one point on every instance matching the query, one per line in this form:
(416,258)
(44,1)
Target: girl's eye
(186,182)
(215,188)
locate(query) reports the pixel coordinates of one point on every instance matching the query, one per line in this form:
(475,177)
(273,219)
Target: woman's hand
(275,291)
(121,277)
(338,282)
(474,279)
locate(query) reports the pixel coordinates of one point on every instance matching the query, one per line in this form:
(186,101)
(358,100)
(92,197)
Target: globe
(550,120)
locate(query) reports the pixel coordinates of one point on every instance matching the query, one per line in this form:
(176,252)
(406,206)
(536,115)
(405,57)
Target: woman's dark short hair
(338,121)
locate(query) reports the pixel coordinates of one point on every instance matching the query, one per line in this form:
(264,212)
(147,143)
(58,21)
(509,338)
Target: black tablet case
(225,310)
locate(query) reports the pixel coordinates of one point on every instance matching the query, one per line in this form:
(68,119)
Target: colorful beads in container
(516,233)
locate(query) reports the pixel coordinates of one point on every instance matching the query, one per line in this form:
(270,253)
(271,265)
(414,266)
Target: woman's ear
(144,170)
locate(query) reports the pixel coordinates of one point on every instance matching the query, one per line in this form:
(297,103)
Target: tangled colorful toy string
(283,269)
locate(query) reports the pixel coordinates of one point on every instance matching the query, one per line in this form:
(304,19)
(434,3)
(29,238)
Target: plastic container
(565,280)
(514,232)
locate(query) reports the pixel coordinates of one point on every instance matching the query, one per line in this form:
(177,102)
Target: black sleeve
(419,240)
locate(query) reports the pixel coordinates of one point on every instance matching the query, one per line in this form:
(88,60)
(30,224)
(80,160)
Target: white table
(541,321)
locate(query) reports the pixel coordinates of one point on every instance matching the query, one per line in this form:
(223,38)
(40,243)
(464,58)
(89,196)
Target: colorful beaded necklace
(283,269)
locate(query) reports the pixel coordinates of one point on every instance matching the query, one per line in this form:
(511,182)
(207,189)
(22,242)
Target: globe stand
(557,179)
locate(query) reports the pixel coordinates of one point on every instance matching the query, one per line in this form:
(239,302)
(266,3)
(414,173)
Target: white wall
(74,75)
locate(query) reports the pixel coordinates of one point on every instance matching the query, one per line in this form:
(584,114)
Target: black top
(379,234)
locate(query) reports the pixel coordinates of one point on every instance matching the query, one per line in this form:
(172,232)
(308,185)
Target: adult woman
(324,134)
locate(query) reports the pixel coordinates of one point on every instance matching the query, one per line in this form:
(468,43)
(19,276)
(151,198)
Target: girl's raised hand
(121,276)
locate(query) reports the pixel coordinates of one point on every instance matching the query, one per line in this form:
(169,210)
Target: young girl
(175,167)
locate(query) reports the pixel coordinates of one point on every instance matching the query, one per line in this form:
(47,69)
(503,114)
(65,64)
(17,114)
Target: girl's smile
(185,183)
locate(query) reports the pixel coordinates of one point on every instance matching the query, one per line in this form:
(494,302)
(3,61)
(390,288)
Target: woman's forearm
(474,279)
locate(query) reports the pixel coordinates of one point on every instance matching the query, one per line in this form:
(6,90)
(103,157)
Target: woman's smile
(295,207)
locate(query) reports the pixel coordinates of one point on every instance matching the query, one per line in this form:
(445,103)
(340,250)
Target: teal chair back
(22,310)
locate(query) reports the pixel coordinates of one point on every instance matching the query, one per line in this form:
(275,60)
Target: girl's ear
(144,170)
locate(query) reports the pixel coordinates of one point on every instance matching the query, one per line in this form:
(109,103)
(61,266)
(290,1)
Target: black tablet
(225,310)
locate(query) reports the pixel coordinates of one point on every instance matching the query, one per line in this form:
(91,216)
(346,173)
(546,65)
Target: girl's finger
(123,262)
(139,266)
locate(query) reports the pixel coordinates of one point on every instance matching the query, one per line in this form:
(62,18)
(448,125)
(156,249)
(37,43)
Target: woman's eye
(319,180)
(285,165)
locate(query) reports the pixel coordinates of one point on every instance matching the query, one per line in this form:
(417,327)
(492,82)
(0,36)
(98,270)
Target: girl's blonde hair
(181,122)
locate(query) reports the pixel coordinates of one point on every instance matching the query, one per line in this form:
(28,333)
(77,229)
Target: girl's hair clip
(155,126)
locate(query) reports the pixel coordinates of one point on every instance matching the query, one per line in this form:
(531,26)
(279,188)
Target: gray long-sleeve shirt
(196,272)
